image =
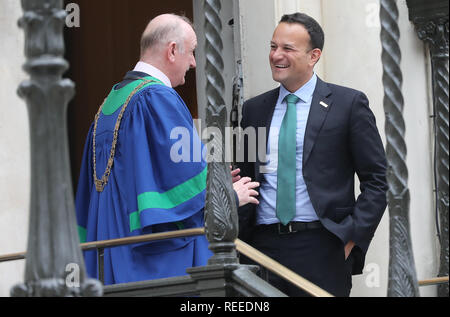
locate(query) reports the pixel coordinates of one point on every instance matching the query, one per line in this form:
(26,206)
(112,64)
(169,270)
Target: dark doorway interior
(102,50)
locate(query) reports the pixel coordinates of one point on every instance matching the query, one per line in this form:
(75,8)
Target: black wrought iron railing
(244,278)
(245,281)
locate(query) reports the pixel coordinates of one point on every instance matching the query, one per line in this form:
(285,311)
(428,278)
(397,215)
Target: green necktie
(286,176)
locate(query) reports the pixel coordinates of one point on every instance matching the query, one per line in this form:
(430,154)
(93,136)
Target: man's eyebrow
(286,45)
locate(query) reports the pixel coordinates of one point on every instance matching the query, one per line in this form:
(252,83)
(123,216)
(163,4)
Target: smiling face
(292,58)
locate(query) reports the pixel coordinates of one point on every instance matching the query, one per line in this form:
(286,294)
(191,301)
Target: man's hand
(348,248)
(235,174)
(244,188)
(245,191)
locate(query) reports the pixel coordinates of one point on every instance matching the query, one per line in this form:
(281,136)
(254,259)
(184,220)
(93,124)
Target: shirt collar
(304,93)
(152,71)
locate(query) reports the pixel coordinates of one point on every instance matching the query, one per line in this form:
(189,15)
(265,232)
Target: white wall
(14,147)
(257,26)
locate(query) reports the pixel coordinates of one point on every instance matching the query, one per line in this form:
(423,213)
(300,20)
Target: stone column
(221,220)
(54,262)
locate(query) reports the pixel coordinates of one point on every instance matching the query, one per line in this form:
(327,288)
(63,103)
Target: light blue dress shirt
(266,210)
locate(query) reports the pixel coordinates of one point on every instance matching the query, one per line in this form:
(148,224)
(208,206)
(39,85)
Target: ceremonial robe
(147,190)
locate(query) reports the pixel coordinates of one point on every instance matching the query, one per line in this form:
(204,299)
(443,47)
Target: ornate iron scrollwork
(431,21)
(221,222)
(402,272)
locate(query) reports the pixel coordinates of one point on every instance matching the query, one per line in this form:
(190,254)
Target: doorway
(102,50)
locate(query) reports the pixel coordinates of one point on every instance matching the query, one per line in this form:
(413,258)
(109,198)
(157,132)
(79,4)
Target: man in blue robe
(129,184)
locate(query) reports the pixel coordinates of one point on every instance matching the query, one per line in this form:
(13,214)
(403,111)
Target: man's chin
(180,83)
(277,78)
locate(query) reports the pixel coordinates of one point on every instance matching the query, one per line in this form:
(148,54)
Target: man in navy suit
(319,136)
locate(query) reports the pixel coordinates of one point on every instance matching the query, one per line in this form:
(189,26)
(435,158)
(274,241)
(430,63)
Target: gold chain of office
(101,183)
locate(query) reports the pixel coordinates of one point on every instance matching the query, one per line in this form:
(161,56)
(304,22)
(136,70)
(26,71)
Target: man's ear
(171,51)
(315,55)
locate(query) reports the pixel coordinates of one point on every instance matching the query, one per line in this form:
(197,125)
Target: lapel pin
(323,104)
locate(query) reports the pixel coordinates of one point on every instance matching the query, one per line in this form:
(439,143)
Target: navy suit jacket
(341,140)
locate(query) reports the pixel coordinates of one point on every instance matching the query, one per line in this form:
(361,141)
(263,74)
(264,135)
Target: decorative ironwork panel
(221,221)
(431,21)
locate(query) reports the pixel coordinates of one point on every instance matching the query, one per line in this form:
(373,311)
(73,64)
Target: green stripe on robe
(117,98)
(82,233)
(169,199)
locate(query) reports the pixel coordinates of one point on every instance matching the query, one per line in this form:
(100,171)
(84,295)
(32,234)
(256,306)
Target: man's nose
(193,63)
(275,54)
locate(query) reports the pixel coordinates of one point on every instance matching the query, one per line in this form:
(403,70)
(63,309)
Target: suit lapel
(320,106)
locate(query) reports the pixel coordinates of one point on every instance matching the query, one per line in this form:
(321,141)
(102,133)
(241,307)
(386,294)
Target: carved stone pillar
(430,18)
(221,221)
(402,273)
(54,262)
